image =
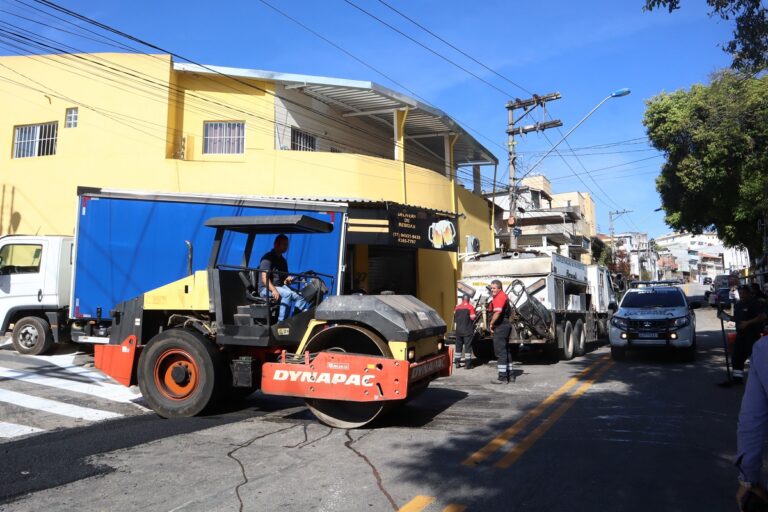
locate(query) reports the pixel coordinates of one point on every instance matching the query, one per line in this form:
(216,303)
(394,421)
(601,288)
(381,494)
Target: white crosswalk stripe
(114,392)
(55,407)
(8,430)
(43,394)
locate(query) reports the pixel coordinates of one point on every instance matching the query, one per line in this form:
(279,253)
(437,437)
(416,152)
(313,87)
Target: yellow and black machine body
(215,335)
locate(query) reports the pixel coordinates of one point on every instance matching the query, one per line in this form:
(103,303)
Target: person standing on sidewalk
(464,317)
(500,328)
(749,315)
(752,432)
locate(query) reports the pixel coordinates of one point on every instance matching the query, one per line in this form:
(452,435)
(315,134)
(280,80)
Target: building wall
(129,132)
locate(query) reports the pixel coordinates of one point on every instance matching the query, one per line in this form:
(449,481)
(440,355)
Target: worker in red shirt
(464,318)
(500,312)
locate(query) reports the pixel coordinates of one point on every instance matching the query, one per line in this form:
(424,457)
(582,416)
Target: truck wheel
(32,336)
(618,353)
(179,372)
(566,352)
(579,339)
(482,347)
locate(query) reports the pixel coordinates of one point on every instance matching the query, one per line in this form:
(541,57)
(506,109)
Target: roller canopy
(396,317)
(271,224)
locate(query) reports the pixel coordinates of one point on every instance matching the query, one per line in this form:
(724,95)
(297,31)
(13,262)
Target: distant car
(721,296)
(658,316)
(707,280)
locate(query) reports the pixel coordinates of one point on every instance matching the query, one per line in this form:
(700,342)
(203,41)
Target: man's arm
(753,417)
(759,319)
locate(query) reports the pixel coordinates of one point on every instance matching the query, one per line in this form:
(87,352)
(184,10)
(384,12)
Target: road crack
(376,473)
(248,443)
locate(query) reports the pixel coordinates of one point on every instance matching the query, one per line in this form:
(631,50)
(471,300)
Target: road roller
(213,336)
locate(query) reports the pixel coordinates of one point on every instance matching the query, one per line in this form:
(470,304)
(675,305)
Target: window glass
(653,299)
(223,138)
(71,120)
(20,258)
(35,140)
(302,141)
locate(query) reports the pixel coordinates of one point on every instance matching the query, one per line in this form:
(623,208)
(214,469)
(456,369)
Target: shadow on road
(653,434)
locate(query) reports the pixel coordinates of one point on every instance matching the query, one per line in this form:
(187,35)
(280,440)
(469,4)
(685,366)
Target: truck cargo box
(127,243)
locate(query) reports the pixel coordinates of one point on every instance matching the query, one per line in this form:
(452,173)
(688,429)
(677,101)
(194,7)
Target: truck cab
(35,281)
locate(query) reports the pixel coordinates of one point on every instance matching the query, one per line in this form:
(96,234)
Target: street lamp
(615,94)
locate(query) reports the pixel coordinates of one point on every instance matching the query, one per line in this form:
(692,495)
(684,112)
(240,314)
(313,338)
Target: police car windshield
(653,299)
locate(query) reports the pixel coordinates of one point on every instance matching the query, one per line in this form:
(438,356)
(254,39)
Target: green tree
(749,46)
(715,140)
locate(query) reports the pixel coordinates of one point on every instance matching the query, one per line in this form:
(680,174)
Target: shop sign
(419,229)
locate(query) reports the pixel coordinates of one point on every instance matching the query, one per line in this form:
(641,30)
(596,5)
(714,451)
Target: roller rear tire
(179,373)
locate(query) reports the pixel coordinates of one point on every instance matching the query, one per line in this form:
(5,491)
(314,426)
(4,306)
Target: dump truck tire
(579,339)
(482,347)
(352,339)
(179,372)
(566,352)
(32,336)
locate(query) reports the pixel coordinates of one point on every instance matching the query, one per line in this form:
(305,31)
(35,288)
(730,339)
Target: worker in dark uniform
(464,317)
(274,265)
(500,311)
(750,315)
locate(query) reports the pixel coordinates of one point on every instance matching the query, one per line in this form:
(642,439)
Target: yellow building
(143,122)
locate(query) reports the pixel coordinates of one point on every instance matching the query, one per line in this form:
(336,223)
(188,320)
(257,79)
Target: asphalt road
(649,433)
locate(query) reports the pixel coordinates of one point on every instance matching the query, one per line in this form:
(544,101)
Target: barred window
(71,120)
(302,141)
(335,150)
(35,140)
(224,138)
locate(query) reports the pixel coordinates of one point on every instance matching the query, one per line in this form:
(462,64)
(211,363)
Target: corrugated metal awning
(424,123)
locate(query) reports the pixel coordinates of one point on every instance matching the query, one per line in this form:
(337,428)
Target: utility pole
(614,215)
(527,106)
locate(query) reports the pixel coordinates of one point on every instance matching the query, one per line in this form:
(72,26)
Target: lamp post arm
(566,135)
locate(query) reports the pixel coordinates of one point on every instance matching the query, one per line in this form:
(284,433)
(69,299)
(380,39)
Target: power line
(369,66)
(434,52)
(470,57)
(20,38)
(578,176)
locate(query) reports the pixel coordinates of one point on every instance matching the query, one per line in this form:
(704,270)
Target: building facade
(563,223)
(704,255)
(144,122)
(643,258)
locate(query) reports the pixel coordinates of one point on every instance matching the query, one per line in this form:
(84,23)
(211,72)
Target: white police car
(654,316)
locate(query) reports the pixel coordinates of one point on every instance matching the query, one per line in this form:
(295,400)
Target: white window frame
(71,117)
(223,137)
(302,141)
(33,140)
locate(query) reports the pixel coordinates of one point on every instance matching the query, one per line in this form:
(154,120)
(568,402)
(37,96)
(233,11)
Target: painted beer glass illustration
(442,234)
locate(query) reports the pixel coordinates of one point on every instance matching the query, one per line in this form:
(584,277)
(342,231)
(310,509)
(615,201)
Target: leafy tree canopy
(749,46)
(715,140)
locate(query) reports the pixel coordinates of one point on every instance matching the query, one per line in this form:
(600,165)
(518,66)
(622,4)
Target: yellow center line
(455,508)
(539,431)
(417,504)
(499,441)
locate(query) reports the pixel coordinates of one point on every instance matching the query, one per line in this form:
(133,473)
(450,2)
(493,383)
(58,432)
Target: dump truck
(558,304)
(166,286)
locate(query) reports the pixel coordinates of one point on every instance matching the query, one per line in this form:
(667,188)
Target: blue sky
(584,50)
